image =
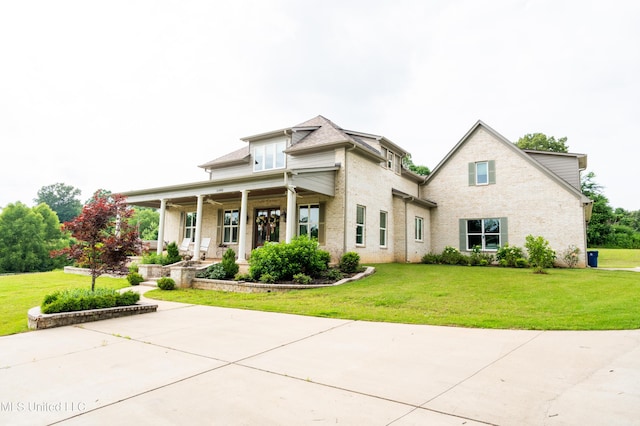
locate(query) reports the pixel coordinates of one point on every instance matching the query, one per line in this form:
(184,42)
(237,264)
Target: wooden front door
(267,226)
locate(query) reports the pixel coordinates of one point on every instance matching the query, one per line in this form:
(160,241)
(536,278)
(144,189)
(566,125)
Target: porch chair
(204,247)
(183,249)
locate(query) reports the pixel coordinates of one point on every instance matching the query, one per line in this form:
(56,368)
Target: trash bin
(592,258)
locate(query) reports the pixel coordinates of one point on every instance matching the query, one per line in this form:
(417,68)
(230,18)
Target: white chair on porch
(204,247)
(183,249)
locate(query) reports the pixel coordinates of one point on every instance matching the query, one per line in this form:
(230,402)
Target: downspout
(406,228)
(344,209)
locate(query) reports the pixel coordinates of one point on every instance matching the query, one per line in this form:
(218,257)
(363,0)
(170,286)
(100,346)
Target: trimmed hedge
(80,299)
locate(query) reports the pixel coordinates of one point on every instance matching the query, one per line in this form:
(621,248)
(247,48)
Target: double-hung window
(419,228)
(484,233)
(393,161)
(383,228)
(360,225)
(269,156)
(190,226)
(482,173)
(230,226)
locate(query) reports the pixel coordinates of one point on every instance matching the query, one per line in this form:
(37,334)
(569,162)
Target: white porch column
(196,243)
(242,238)
(163,208)
(291,212)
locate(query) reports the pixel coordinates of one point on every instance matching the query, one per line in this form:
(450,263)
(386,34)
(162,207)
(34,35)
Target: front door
(267,227)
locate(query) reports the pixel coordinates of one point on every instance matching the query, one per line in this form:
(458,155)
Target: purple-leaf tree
(104,238)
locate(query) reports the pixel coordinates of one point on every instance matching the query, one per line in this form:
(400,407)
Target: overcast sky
(128,95)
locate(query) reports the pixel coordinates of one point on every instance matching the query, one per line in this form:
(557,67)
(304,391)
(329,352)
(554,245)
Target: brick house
(349,190)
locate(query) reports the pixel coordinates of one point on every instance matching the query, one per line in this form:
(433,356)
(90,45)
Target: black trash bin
(592,258)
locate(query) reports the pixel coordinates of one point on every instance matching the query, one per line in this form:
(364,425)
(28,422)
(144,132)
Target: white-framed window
(309,220)
(231,220)
(484,233)
(361,214)
(190,225)
(419,228)
(482,173)
(393,161)
(383,228)
(269,156)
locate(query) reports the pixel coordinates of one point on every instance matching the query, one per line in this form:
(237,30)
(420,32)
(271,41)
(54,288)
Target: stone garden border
(252,287)
(39,321)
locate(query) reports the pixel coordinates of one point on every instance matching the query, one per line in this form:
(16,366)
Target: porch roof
(270,184)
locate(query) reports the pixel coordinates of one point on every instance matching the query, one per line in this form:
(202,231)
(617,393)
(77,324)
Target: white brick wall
(531,201)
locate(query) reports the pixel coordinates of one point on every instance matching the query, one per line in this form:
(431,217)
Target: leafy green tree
(26,236)
(61,199)
(54,238)
(147,220)
(599,228)
(541,142)
(104,236)
(407,162)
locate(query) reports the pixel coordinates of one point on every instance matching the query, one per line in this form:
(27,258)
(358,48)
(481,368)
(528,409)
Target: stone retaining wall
(38,320)
(252,287)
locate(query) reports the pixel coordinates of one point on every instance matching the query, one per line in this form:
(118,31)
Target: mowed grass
(487,297)
(19,293)
(617,258)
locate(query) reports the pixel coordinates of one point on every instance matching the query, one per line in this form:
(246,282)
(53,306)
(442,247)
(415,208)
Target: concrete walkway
(200,365)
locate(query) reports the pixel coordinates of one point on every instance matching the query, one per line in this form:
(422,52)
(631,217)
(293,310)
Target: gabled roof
(240,156)
(517,151)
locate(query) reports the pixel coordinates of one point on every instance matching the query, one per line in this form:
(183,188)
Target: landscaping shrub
(229,264)
(213,272)
(243,277)
(431,259)
(127,298)
(133,267)
(571,256)
(82,299)
(332,274)
(508,255)
(281,261)
(480,258)
(541,256)
(268,278)
(452,256)
(134,278)
(153,259)
(302,279)
(350,262)
(173,254)
(166,283)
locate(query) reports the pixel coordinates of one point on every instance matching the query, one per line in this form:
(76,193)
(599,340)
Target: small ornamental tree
(541,255)
(104,238)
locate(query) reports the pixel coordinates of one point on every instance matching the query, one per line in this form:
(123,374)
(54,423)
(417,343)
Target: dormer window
(269,156)
(393,160)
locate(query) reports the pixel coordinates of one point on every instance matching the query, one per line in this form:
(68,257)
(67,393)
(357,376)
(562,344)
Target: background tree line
(29,234)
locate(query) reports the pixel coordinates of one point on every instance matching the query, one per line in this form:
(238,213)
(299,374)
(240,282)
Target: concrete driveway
(200,365)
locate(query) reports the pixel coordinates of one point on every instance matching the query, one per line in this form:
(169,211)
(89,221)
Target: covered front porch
(241,214)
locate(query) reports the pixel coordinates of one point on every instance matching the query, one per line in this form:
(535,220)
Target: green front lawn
(19,293)
(617,258)
(489,297)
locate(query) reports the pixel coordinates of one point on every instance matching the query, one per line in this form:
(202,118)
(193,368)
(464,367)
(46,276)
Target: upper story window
(393,161)
(482,173)
(269,156)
